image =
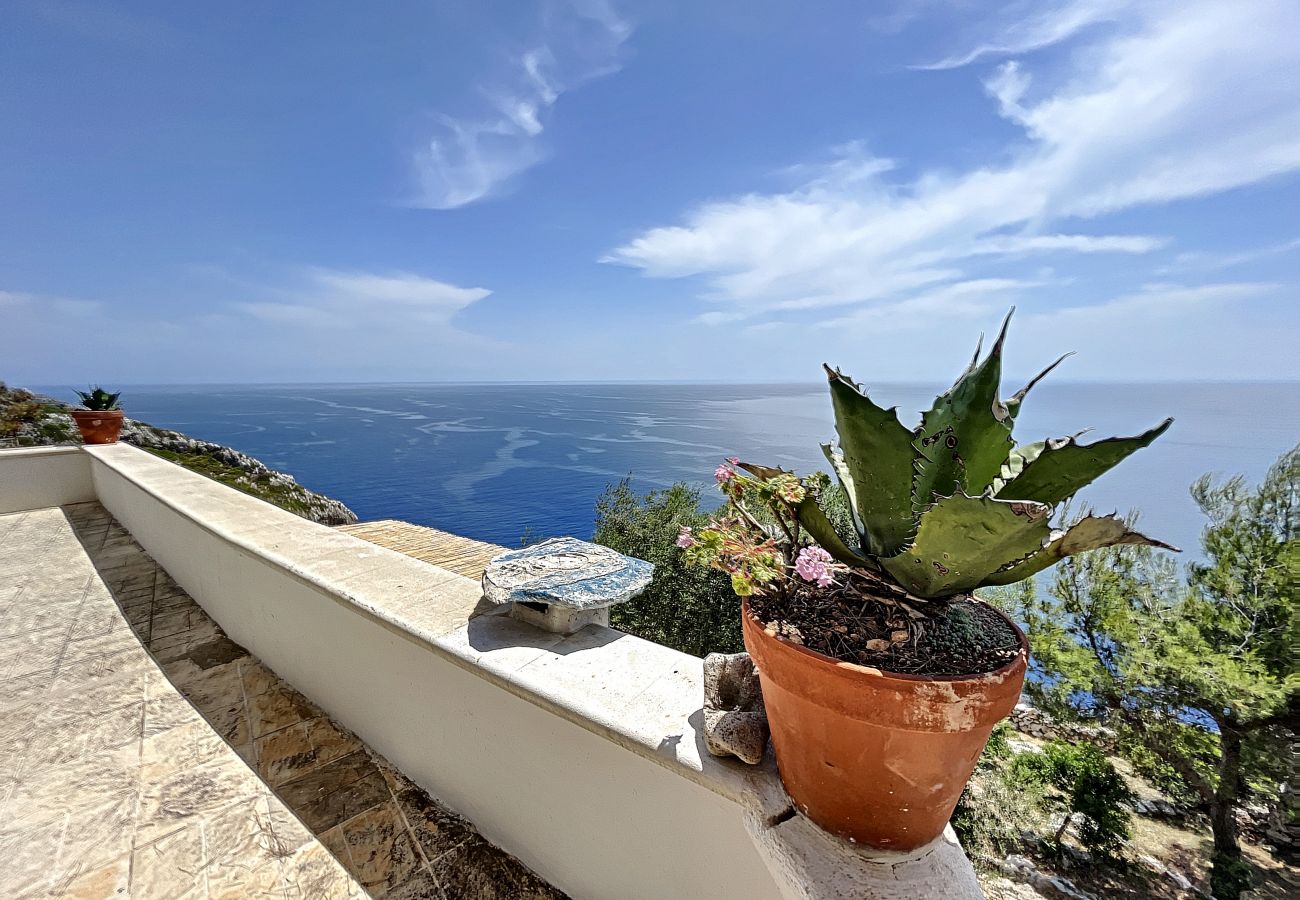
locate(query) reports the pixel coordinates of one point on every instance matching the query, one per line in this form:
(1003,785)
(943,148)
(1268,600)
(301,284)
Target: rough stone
(735,720)
(565,572)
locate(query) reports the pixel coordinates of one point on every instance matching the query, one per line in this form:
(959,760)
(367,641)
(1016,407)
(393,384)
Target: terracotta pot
(98,426)
(875,757)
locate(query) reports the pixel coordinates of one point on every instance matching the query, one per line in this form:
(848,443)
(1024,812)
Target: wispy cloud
(1204,261)
(469,158)
(1026,33)
(362,300)
(1186,102)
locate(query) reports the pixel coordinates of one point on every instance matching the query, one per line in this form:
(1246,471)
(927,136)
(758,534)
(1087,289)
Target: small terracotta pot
(98,426)
(871,756)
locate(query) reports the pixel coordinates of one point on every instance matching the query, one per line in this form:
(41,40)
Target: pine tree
(1198,678)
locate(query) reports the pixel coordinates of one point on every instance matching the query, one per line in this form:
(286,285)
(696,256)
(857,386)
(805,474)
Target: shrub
(1095,793)
(1229,876)
(689,608)
(996,811)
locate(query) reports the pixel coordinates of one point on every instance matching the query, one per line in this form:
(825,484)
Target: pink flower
(813,566)
(734,460)
(685,539)
(724,473)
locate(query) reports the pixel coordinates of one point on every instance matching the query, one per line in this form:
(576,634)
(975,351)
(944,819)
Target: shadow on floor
(395,839)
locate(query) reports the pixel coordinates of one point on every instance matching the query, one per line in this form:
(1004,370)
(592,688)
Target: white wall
(575,754)
(42,477)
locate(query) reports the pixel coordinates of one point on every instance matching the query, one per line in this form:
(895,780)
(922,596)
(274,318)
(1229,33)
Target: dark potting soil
(961,637)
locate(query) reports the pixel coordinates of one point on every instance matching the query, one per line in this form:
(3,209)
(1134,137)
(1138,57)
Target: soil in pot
(844,622)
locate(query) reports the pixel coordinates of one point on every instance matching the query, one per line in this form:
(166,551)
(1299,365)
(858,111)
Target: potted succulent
(883,675)
(99,419)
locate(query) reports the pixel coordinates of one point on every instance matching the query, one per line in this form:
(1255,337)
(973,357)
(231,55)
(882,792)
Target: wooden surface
(461,555)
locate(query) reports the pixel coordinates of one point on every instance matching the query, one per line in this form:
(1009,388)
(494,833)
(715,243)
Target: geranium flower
(813,566)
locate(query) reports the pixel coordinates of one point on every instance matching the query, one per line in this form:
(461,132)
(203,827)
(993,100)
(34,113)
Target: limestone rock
(735,721)
(565,572)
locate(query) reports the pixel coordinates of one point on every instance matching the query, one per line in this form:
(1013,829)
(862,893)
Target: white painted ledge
(579,754)
(41,477)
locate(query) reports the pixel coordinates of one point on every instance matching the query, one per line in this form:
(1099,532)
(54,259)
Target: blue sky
(594,190)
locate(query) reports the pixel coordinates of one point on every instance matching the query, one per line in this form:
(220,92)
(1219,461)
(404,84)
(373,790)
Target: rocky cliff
(30,420)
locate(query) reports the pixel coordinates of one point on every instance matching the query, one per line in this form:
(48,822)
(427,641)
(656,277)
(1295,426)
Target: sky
(604,190)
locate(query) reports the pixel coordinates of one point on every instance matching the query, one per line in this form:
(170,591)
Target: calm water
(489,461)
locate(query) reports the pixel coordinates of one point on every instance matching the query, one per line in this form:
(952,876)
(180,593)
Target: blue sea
(492,460)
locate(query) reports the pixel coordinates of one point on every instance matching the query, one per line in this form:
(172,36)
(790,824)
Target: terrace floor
(144,754)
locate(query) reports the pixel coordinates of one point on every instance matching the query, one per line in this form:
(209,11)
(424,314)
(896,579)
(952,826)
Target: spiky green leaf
(1052,471)
(962,540)
(1017,400)
(819,527)
(966,436)
(1089,533)
(841,470)
(877,453)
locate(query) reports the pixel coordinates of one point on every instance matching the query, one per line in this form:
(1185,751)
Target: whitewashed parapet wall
(42,477)
(579,754)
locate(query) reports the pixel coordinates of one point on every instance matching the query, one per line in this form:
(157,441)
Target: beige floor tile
(172,866)
(167,712)
(312,873)
(183,747)
(192,794)
(112,880)
(26,848)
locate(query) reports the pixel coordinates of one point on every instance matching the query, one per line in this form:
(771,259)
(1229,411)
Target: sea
(496,461)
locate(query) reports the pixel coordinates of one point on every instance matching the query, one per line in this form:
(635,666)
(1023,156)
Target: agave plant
(98,399)
(954,505)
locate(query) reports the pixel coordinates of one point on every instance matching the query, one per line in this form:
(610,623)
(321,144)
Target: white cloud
(1201,260)
(364,300)
(469,158)
(1192,100)
(1023,35)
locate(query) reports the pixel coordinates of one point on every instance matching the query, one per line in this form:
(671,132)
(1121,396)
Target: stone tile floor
(113,785)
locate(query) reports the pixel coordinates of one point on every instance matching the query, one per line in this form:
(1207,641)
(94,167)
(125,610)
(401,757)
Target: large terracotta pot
(878,758)
(98,426)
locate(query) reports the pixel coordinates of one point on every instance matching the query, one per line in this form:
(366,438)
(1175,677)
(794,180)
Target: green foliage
(1095,794)
(263,487)
(996,810)
(1230,876)
(98,399)
(30,420)
(685,607)
(953,505)
(1198,679)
